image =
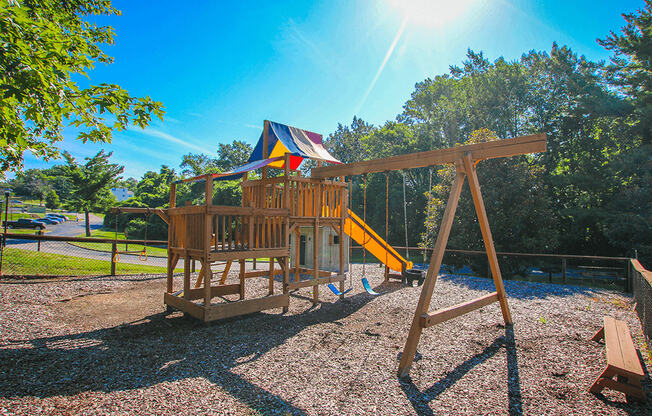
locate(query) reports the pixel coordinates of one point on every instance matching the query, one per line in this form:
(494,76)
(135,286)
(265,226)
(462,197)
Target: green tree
(631,66)
(519,211)
(628,214)
(195,164)
(232,155)
(154,188)
(346,142)
(91,183)
(26,183)
(43,46)
(52,199)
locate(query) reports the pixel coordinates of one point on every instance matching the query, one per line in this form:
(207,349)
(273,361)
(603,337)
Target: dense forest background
(590,193)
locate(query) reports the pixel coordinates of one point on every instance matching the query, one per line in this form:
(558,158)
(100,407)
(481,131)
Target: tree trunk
(88,225)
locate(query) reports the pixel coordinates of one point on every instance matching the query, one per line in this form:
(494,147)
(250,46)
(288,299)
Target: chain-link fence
(24,255)
(642,283)
(593,271)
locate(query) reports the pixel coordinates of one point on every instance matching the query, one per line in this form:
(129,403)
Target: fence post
(628,283)
(2,250)
(38,244)
(114,250)
(563,270)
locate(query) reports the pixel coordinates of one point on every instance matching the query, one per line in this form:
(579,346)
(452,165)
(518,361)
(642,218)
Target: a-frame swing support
(465,159)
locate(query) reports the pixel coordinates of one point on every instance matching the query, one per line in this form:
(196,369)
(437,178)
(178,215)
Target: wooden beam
(222,290)
(416,329)
(478,202)
(186,276)
(260,273)
(321,273)
(184,305)
(318,281)
(265,145)
(227,310)
(499,148)
(225,272)
(443,315)
(242,278)
(245,254)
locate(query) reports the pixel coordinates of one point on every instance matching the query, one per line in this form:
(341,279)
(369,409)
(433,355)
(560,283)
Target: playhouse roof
(301,144)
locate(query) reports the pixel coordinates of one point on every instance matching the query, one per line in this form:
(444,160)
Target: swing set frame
(465,159)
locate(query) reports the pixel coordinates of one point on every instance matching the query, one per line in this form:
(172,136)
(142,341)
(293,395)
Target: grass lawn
(15,216)
(31,263)
(151,251)
(30,231)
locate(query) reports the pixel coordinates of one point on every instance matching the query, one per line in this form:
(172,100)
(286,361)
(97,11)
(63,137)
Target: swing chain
(143,254)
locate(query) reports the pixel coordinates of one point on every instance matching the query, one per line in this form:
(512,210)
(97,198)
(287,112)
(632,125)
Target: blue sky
(222,67)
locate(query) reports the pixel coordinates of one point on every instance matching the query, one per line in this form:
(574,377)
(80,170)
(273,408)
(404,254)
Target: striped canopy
(301,144)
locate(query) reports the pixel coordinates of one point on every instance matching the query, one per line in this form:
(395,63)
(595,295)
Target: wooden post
(486,236)
(271,276)
(414,335)
(387,223)
(173,195)
(265,146)
(563,270)
(208,274)
(242,279)
(316,247)
(286,277)
(113,252)
(208,234)
(297,253)
(343,214)
(186,277)
(209,190)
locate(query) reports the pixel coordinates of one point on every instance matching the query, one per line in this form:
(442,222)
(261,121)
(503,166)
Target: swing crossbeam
(481,151)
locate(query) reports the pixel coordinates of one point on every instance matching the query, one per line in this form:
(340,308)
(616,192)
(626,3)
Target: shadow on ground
(160,348)
(420,399)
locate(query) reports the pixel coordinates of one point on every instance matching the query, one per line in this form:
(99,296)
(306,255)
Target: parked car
(25,223)
(62,217)
(55,219)
(47,221)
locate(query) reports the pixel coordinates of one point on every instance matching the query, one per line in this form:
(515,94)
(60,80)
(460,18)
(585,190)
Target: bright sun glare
(430,13)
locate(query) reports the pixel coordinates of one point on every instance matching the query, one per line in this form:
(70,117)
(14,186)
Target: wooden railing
(304,196)
(227,228)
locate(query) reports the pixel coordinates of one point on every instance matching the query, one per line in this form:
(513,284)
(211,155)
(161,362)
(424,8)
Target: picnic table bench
(622,360)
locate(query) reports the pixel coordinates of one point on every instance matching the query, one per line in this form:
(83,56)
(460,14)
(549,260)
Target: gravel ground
(106,346)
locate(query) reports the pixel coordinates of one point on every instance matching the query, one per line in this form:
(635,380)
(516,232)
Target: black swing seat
(410,275)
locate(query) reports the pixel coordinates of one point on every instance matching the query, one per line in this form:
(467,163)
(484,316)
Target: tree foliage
(43,45)
(91,183)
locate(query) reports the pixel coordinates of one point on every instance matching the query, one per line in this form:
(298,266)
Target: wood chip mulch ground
(106,346)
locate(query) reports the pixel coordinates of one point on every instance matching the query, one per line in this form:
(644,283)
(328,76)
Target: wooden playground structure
(275,208)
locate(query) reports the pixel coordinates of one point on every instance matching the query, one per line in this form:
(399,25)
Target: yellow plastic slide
(355,228)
